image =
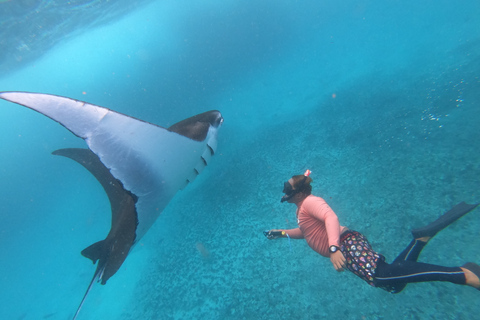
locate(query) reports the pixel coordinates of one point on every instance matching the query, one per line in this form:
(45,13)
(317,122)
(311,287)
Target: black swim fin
(444,221)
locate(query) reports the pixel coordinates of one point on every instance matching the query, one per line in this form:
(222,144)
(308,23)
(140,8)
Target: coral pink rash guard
(318,225)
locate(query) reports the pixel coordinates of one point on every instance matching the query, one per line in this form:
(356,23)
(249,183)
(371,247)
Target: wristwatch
(333,249)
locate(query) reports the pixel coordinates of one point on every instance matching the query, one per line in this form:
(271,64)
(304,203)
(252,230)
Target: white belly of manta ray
(140,165)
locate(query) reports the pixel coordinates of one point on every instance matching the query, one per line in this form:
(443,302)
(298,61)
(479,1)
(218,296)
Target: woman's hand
(338,260)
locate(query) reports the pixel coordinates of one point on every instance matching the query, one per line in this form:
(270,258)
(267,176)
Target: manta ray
(140,166)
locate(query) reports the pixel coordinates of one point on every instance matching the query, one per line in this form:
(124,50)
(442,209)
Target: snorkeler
(349,249)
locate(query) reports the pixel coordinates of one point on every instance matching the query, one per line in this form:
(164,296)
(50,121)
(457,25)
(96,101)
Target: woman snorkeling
(319,226)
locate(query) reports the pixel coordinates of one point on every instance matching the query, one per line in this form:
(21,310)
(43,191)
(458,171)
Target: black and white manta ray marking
(140,165)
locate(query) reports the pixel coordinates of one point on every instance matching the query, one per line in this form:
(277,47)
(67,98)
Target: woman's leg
(411,252)
(405,268)
(394,277)
(372,268)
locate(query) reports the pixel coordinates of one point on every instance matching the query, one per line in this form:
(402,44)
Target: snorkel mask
(288,189)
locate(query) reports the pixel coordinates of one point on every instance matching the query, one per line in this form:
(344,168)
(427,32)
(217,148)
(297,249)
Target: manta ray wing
(140,165)
(151,162)
(111,252)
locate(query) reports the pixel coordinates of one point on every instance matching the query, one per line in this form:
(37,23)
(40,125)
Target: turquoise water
(379,99)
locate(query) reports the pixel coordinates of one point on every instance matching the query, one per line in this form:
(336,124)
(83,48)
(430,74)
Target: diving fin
(444,221)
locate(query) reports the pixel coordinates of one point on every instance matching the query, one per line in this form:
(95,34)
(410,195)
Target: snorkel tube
(288,188)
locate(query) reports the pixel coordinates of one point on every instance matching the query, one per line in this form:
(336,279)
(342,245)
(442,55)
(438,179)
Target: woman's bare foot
(424,239)
(471,279)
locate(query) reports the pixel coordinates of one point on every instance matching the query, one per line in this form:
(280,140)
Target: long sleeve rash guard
(318,224)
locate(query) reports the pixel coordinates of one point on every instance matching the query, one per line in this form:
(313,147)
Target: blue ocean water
(379,99)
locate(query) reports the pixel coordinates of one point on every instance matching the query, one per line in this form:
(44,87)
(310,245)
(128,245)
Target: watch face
(333,249)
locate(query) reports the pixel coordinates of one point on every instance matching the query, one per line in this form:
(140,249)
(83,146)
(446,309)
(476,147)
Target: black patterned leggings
(394,277)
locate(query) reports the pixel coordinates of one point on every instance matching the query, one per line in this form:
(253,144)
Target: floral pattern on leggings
(359,255)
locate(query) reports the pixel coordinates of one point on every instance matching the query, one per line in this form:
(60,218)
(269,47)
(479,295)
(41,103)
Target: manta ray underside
(140,166)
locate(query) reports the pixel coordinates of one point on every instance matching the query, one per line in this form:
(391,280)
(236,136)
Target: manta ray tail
(96,277)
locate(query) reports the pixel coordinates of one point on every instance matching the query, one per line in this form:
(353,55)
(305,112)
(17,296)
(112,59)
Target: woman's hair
(302,184)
